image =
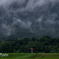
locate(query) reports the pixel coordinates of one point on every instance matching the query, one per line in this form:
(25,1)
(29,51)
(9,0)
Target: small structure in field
(31,50)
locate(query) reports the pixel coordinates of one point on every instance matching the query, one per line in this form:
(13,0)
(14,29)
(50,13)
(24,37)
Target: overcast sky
(30,6)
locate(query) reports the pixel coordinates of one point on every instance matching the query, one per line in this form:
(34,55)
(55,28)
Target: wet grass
(32,56)
(29,58)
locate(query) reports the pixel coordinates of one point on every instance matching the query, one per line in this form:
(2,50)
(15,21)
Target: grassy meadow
(31,56)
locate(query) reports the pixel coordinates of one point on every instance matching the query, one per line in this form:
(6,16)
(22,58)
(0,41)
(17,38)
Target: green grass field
(31,56)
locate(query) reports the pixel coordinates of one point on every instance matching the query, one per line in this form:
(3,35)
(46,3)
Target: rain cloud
(34,15)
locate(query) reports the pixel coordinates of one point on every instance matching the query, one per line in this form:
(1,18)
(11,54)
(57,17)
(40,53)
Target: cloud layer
(33,15)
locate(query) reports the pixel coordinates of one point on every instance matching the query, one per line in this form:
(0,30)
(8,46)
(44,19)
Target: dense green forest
(45,44)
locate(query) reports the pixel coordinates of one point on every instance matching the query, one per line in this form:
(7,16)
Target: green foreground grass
(32,56)
(29,58)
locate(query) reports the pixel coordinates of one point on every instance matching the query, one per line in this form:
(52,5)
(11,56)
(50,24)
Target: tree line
(45,44)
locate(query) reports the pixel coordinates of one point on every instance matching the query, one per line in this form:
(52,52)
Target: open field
(31,56)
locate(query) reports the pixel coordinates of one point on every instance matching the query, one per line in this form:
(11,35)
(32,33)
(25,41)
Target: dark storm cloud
(30,6)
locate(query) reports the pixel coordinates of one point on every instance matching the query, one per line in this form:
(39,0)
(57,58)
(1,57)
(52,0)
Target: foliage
(45,44)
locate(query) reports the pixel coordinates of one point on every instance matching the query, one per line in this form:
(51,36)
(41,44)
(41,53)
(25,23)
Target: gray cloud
(31,4)
(28,12)
(39,19)
(22,24)
(4,2)
(51,19)
(7,30)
